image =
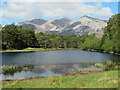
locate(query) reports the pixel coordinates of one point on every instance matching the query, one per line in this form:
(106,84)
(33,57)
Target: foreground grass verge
(35,49)
(98,80)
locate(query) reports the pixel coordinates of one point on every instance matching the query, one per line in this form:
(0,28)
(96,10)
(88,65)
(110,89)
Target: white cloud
(51,10)
(28,10)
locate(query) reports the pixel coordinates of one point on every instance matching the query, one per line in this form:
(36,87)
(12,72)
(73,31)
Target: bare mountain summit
(65,26)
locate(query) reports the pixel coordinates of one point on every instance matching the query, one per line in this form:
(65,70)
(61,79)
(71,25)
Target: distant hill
(65,26)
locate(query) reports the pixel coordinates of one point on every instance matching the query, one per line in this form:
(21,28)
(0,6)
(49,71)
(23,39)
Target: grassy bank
(35,49)
(31,49)
(97,80)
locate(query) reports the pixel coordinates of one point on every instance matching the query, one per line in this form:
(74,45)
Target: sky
(13,11)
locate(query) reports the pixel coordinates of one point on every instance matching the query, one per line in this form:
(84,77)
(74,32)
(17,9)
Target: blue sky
(14,12)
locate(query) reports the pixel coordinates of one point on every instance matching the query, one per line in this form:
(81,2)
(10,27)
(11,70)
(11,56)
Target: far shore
(35,49)
(52,49)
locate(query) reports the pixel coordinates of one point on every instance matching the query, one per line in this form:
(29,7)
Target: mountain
(38,21)
(65,26)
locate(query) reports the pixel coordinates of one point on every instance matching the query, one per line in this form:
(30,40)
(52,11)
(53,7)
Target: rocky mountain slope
(65,26)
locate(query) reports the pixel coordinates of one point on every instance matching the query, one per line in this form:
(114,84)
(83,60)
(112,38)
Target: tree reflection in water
(11,69)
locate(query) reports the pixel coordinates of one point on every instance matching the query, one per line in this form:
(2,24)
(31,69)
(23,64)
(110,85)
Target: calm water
(46,63)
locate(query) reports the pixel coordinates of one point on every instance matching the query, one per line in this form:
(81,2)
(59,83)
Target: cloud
(28,10)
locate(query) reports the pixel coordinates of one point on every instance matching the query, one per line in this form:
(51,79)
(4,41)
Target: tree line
(16,37)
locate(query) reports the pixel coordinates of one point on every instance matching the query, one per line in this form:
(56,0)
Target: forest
(16,37)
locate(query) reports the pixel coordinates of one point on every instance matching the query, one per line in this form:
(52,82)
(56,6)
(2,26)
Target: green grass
(31,49)
(34,49)
(99,80)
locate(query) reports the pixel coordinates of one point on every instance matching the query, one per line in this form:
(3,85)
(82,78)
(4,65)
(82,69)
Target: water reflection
(11,69)
(45,63)
(24,72)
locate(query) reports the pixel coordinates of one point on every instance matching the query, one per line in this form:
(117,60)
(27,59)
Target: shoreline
(92,50)
(36,49)
(105,79)
(53,49)
(62,75)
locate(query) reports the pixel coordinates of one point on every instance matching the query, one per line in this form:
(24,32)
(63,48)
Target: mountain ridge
(84,25)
